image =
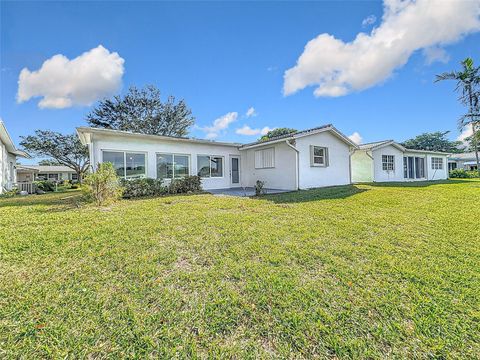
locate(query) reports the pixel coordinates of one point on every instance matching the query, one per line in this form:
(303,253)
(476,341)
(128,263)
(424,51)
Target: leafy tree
(48,162)
(103,185)
(435,141)
(142,111)
(65,149)
(473,141)
(277,132)
(468,85)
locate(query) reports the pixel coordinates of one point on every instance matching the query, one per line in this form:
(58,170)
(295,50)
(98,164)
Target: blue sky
(225,58)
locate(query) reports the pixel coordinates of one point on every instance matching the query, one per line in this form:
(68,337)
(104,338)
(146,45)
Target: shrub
(142,187)
(259,188)
(185,185)
(10,193)
(102,186)
(462,174)
(45,185)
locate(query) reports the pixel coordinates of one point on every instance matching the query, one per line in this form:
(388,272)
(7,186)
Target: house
(387,160)
(305,159)
(29,173)
(466,161)
(8,159)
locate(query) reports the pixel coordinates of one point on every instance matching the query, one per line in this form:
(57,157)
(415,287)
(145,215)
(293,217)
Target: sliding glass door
(413,167)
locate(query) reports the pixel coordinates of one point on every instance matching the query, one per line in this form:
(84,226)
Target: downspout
(297,172)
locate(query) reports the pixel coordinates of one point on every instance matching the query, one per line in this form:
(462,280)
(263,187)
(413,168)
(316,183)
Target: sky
(243,68)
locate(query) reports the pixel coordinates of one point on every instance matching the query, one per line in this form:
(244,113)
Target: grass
(348,272)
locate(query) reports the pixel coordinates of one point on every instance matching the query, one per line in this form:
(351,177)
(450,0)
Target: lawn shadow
(64,200)
(326,193)
(417,183)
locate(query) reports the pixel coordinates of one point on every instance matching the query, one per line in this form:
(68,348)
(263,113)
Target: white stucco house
(311,158)
(8,159)
(466,161)
(385,161)
(28,173)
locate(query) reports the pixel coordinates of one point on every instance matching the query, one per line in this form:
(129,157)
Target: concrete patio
(243,192)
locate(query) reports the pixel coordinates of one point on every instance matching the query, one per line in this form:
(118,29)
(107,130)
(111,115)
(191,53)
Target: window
(53,177)
(437,163)
(388,162)
(127,165)
(170,166)
(265,158)
(74,176)
(42,177)
(209,166)
(318,156)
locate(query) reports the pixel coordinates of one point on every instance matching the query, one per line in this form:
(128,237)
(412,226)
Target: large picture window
(437,163)
(318,156)
(171,166)
(209,166)
(388,162)
(127,164)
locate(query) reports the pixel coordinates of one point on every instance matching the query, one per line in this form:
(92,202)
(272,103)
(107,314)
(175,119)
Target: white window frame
(313,156)
(262,158)
(386,162)
(210,163)
(437,163)
(173,160)
(144,153)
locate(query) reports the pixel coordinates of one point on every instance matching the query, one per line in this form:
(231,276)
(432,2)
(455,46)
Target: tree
(468,85)
(277,132)
(142,111)
(473,141)
(435,141)
(48,162)
(65,149)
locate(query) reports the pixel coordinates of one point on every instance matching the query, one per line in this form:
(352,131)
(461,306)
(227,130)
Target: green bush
(142,187)
(10,193)
(463,174)
(156,187)
(102,186)
(45,185)
(187,184)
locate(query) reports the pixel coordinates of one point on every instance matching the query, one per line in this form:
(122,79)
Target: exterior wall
(151,147)
(282,176)
(362,167)
(3,162)
(338,170)
(7,172)
(380,175)
(440,174)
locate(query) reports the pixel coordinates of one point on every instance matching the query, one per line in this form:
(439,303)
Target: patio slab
(243,192)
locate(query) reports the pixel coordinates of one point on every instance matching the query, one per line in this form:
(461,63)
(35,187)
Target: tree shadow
(416,184)
(66,200)
(326,193)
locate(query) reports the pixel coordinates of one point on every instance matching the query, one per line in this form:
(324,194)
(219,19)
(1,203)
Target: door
(235,170)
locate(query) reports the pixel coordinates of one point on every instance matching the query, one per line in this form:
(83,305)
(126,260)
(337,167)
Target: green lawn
(357,271)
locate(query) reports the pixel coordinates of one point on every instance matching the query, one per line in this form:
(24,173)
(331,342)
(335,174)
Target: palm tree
(468,85)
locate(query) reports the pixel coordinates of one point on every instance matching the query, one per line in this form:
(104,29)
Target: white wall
(362,167)
(282,176)
(3,162)
(8,176)
(152,146)
(381,175)
(437,174)
(338,170)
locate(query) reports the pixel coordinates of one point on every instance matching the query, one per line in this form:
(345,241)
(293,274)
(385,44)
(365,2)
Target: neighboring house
(466,161)
(387,160)
(8,159)
(305,159)
(29,173)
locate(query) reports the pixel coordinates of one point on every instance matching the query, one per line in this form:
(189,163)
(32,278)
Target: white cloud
(356,138)
(62,83)
(251,112)
(219,125)
(369,20)
(247,130)
(466,132)
(338,68)
(434,53)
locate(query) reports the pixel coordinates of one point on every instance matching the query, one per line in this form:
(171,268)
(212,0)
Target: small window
(53,177)
(170,166)
(209,166)
(318,156)
(74,176)
(127,164)
(388,162)
(437,163)
(265,158)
